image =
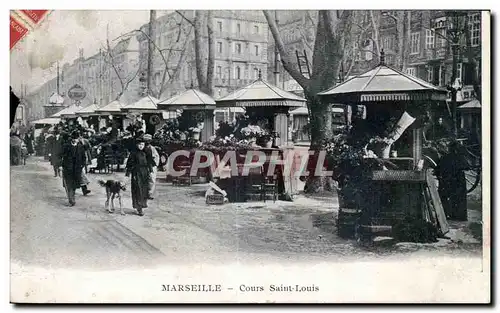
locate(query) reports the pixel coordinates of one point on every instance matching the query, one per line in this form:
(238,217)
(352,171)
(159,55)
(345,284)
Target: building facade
(103,76)
(424,36)
(240,40)
(428,48)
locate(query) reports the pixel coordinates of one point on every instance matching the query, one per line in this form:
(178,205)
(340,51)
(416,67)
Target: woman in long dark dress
(139,164)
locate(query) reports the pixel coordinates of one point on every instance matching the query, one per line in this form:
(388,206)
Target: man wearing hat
(73,162)
(151,150)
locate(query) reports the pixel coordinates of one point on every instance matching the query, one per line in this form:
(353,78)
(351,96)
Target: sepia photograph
(250,156)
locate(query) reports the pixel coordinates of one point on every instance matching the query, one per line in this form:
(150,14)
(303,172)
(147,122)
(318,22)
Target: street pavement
(178,227)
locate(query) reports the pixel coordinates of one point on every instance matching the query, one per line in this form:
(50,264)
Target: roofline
(414,79)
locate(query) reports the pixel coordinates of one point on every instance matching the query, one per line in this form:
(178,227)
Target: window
(475,29)
(157,79)
(388,43)
(238,29)
(219,26)
(410,71)
(237,48)
(218,72)
(237,73)
(429,38)
(256,29)
(415,43)
(219,47)
(430,74)
(459,73)
(256,73)
(441,37)
(357,53)
(256,50)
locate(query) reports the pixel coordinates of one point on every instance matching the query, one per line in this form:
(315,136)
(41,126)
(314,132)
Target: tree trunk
(407,44)
(152,36)
(375,25)
(400,33)
(198,48)
(211,55)
(327,55)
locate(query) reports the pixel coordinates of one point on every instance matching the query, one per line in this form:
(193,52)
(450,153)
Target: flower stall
(145,111)
(196,106)
(113,110)
(266,104)
(383,187)
(266,126)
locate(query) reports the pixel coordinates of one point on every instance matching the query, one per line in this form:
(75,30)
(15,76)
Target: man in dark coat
(73,161)
(452,184)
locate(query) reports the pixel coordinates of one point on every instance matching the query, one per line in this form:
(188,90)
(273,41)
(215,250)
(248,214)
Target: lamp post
(456,28)
(396,20)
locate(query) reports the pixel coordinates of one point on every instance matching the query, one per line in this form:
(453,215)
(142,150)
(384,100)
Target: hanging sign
(77,93)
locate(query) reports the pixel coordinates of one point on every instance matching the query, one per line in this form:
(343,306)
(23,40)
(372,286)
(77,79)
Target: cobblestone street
(180,227)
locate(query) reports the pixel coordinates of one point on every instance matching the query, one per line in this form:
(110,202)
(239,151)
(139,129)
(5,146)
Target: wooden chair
(270,186)
(255,182)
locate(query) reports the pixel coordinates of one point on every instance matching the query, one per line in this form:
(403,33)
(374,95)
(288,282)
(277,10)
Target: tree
(171,63)
(332,29)
(125,76)
(203,20)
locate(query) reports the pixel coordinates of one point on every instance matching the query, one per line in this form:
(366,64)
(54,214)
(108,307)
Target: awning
(304,111)
(471,105)
(190,99)
(261,94)
(88,111)
(68,112)
(47,121)
(383,83)
(114,107)
(232,109)
(147,104)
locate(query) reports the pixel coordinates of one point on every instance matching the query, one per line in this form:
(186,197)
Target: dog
(113,189)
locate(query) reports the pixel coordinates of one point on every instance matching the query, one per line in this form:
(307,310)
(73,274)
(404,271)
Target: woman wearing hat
(140,165)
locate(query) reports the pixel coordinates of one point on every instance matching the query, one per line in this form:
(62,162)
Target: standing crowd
(70,154)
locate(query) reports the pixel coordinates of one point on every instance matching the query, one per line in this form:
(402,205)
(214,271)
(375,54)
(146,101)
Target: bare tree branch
(286,59)
(184,17)
(177,68)
(375,32)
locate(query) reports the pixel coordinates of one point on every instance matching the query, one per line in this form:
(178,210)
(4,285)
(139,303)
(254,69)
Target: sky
(59,38)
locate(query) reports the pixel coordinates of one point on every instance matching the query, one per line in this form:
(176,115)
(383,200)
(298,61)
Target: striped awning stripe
(402,97)
(263,103)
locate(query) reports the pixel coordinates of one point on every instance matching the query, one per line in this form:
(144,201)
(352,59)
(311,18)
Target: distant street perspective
(195,137)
